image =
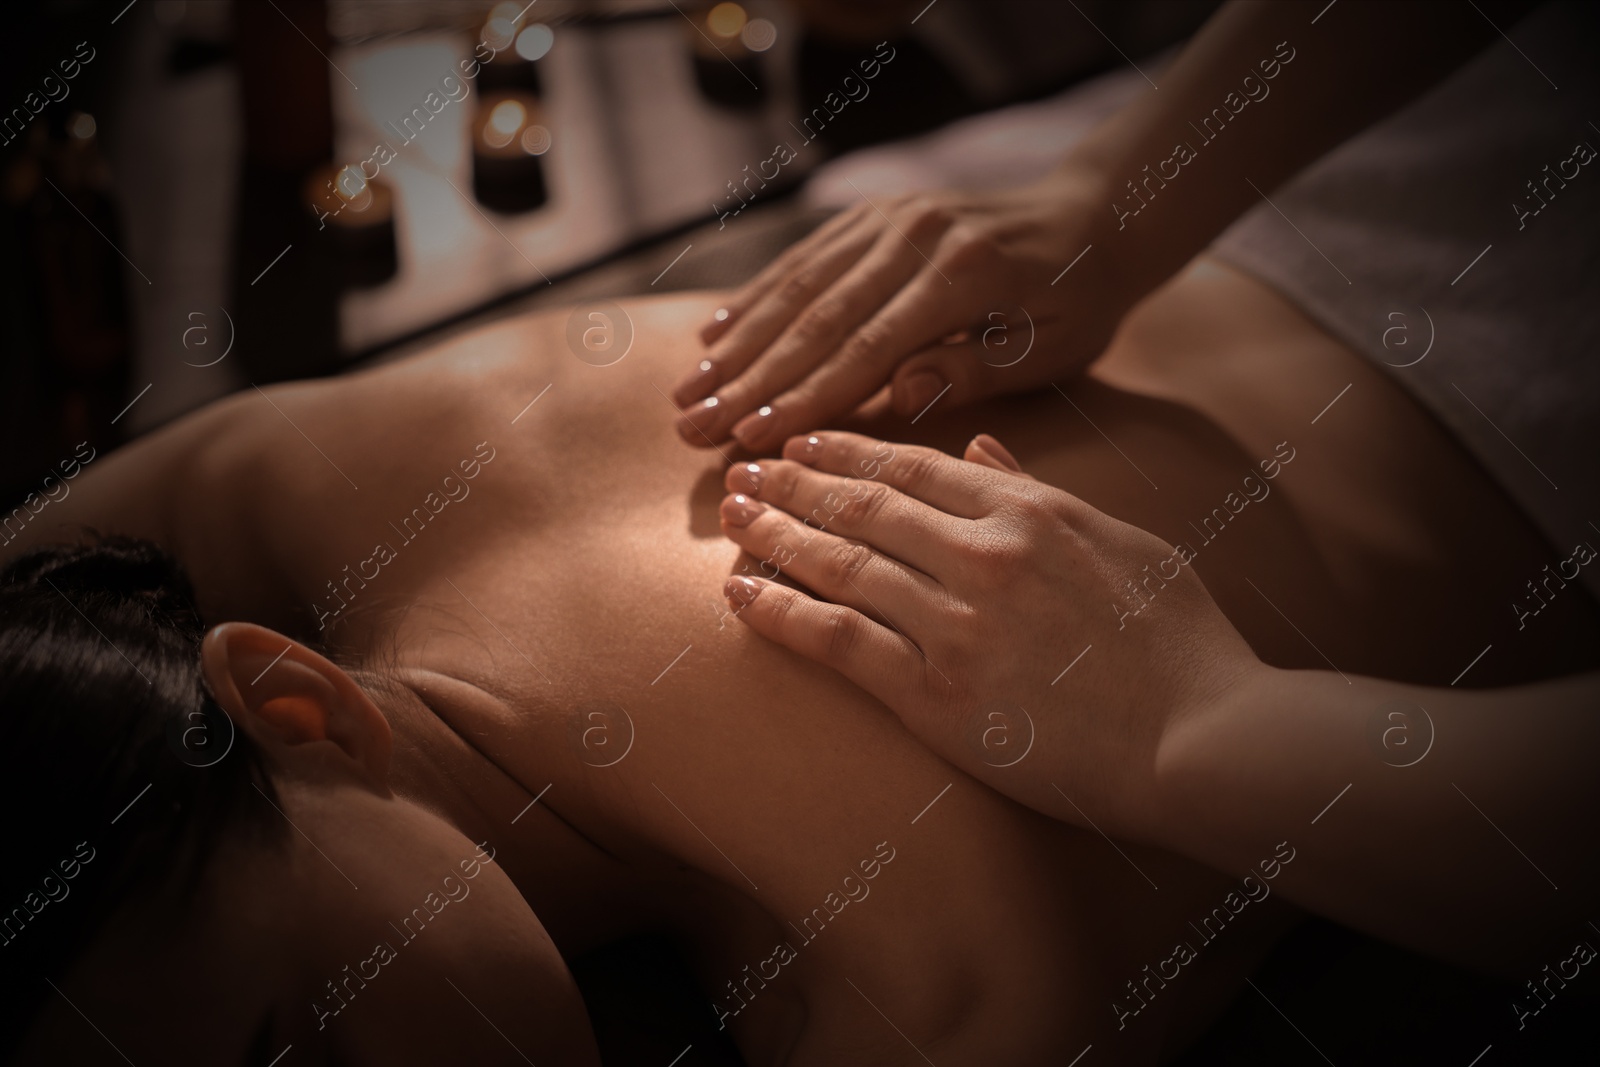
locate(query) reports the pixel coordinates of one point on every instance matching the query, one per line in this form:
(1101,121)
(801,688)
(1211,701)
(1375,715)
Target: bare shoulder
(261,492)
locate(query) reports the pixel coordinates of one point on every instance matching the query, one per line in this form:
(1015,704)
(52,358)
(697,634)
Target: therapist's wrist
(1118,266)
(1077,198)
(1211,757)
(1107,186)
(1134,777)
(1199,767)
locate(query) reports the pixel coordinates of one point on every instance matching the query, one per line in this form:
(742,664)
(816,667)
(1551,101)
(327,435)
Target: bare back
(557,568)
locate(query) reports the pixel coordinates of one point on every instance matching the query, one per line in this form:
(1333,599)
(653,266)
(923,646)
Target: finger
(811,340)
(991,360)
(964,490)
(989,452)
(884,663)
(762,325)
(743,298)
(918,315)
(774,274)
(747,294)
(796,275)
(951,374)
(976,454)
(845,572)
(882,518)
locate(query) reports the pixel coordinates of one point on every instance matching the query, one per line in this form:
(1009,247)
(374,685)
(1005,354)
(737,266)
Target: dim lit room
(672,533)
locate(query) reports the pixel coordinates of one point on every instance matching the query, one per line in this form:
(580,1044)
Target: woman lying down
(481,708)
(456,696)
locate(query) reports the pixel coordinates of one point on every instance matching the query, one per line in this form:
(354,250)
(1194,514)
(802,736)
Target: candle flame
(350,183)
(505,120)
(726,20)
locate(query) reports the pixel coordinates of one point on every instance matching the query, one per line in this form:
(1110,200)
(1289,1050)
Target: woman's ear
(289,699)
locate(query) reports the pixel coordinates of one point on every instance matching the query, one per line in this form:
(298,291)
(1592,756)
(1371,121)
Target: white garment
(1387,224)
(1406,209)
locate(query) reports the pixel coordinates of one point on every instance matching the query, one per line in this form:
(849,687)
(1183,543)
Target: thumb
(988,452)
(924,376)
(983,362)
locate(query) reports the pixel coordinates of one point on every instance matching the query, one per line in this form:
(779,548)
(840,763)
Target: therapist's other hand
(959,592)
(921,292)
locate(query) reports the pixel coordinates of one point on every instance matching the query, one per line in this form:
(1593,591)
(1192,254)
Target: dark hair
(113,798)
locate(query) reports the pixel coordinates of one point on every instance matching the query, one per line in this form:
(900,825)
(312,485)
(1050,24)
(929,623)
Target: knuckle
(913,468)
(819,325)
(951,644)
(1033,504)
(845,563)
(966,248)
(864,503)
(871,342)
(798,287)
(995,555)
(981,548)
(841,633)
(781,483)
(778,609)
(924,215)
(1006,554)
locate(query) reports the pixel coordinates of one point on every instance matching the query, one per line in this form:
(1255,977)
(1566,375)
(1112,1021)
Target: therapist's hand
(963,594)
(876,293)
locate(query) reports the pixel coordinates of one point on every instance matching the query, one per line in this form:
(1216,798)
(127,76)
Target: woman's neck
(583,895)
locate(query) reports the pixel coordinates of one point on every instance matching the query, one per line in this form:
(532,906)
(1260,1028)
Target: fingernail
(741,510)
(754,428)
(921,388)
(695,420)
(997,450)
(716,327)
(752,475)
(805,449)
(741,591)
(697,384)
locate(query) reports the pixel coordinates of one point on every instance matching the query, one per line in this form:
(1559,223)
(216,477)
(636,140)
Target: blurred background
(204,194)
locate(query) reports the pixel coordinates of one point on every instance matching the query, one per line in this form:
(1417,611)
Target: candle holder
(508,137)
(726,58)
(516,62)
(358,213)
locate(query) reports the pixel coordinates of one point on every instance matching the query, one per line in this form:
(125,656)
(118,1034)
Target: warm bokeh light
(534,41)
(82,125)
(507,117)
(505,121)
(726,20)
(350,183)
(498,33)
(759,35)
(536,140)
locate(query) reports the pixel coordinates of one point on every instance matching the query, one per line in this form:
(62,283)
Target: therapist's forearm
(1256,96)
(1455,822)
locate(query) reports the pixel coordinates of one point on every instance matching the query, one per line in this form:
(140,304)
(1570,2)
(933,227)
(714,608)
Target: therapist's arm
(954,592)
(1260,92)
(1481,851)
(1358,63)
